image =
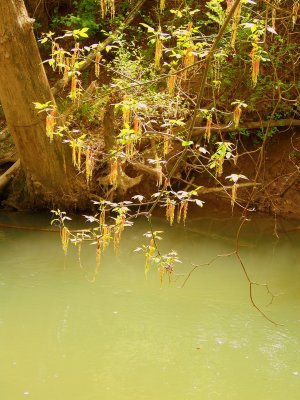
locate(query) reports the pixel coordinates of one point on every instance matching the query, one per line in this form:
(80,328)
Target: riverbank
(275,169)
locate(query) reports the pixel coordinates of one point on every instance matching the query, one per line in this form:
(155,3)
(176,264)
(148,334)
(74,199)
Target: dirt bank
(277,175)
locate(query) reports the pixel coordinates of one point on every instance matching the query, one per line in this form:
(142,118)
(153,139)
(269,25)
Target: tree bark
(49,173)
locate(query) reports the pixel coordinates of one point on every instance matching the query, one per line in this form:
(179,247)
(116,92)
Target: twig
(250,282)
(205,265)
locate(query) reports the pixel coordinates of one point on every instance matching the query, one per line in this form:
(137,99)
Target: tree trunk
(49,173)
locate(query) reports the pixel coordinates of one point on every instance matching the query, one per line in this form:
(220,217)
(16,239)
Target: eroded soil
(277,176)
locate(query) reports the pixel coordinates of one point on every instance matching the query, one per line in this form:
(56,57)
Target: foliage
(144,105)
(85,15)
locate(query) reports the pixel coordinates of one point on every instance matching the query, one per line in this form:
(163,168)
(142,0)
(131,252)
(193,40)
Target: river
(125,337)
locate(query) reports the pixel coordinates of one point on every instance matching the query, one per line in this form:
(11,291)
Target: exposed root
(4,134)
(9,158)
(119,180)
(8,175)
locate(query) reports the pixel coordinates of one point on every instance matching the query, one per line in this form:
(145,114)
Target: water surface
(124,337)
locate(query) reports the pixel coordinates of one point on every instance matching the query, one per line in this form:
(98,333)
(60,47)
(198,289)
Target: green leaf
(149,28)
(81,32)
(43,106)
(186,143)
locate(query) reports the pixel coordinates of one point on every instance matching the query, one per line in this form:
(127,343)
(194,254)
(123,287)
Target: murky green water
(124,337)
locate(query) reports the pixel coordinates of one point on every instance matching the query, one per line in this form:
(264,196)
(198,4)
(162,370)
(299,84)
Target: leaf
(235,177)
(186,143)
(138,249)
(142,105)
(248,24)
(148,234)
(177,122)
(138,197)
(90,218)
(203,150)
(270,29)
(149,28)
(152,161)
(43,106)
(82,32)
(199,202)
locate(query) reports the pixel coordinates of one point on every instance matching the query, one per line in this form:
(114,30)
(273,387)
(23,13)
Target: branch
(197,130)
(201,190)
(197,107)
(224,188)
(90,58)
(250,282)
(8,175)
(207,264)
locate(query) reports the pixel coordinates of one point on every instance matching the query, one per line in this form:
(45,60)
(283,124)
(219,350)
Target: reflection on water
(124,337)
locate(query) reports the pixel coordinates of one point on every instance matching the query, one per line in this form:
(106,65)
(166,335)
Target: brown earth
(278,190)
